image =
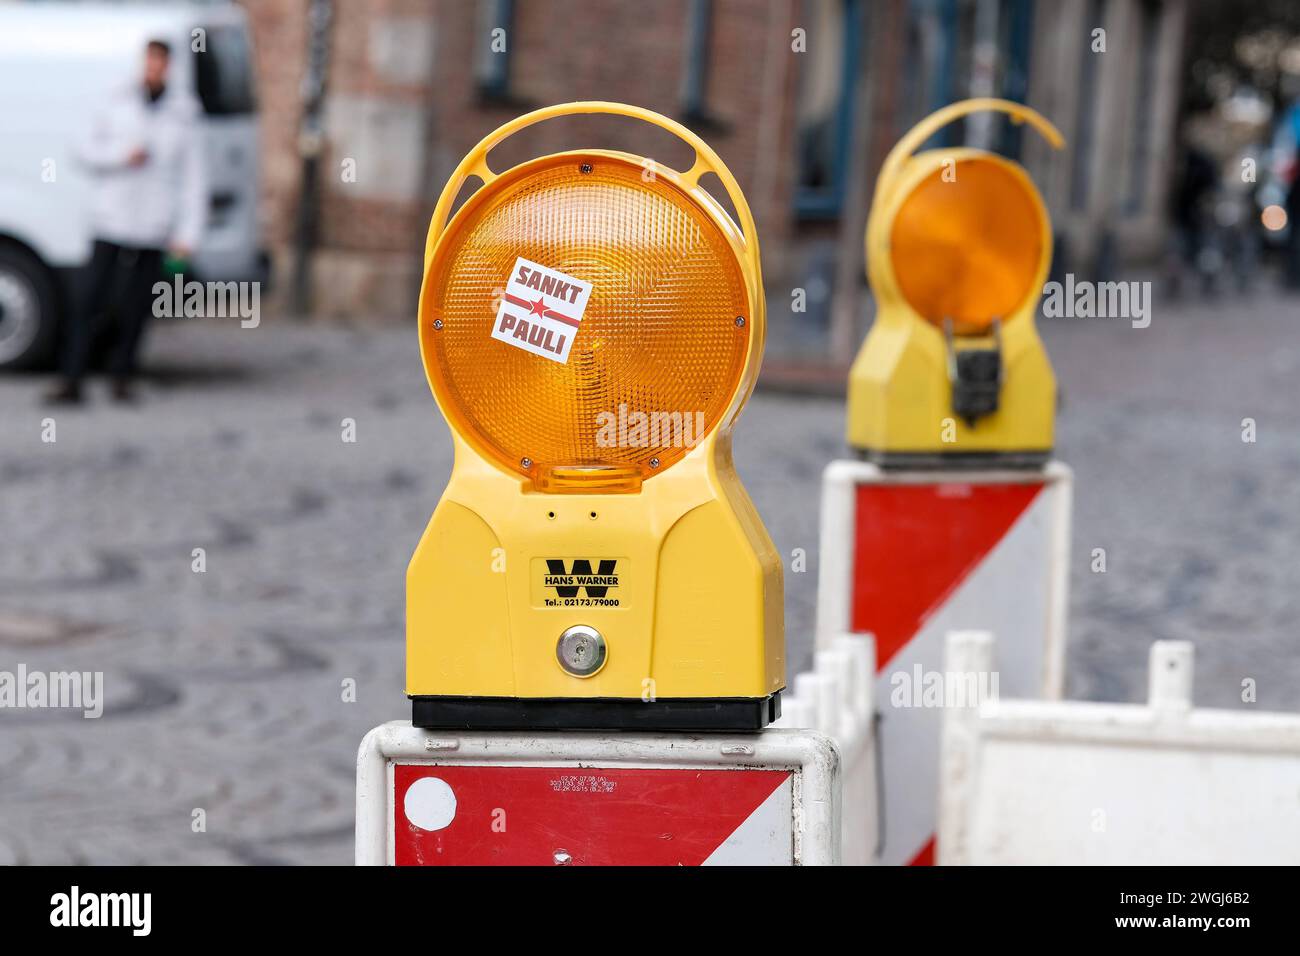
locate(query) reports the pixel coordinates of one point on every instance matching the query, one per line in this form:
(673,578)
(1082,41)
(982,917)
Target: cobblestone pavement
(225,689)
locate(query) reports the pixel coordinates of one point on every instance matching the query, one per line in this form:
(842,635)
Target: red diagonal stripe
(549,313)
(925,856)
(552,314)
(915,544)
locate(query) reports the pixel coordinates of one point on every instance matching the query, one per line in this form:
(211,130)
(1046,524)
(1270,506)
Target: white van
(57,62)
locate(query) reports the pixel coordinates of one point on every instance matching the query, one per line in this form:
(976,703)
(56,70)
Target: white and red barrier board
(908,556)
(430,799)
(524,816)
(1165,783)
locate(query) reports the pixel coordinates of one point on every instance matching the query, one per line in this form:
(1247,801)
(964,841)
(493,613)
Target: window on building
(920,59)
(959,17)
(1016,24)
(825,105)
(695,77)
(929,64)
(1086,115)
(494,46)
(1139,158)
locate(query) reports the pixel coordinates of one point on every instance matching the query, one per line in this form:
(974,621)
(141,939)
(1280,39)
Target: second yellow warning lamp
(591,324)
(958,246)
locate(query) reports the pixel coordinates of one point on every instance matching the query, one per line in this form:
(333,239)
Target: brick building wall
(279,51)
(403,107)
(404,104)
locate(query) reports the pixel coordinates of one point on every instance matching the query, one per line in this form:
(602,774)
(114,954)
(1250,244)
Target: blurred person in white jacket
(149,199)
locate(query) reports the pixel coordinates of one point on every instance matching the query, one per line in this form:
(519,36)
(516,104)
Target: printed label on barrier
(591,816)
(541,310)
(578,582)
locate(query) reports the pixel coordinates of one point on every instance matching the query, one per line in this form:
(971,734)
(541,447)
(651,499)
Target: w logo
(568,583)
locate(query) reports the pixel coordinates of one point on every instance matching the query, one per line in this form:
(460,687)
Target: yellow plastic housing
(675,323)
(960,235)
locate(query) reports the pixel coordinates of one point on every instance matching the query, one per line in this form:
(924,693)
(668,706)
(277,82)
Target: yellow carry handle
(918,134)
(706,160)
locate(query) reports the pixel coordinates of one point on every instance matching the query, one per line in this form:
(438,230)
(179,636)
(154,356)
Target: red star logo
(538,308)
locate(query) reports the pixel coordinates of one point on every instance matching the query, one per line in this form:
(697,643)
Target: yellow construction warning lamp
(591,324)
(958,245)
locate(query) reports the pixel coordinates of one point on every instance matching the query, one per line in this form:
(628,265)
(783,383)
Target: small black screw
(740,321)
(585,168)
(437,324)
(654,462)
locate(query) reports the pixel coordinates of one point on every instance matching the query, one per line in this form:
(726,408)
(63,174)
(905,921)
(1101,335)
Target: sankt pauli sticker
(541,310)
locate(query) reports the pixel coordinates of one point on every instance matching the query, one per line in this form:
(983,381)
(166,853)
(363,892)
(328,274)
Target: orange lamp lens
(968,249)
(656,355)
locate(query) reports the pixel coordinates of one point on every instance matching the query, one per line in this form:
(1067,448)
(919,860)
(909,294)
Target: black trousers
(115,296)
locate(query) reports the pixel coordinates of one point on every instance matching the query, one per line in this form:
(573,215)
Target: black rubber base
(957,460)
(703,714)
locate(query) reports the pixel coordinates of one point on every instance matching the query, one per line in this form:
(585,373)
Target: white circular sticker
(430,804)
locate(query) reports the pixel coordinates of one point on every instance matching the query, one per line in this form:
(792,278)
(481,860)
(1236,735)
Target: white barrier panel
(435,798)
(1069,782)
(909,555)
(836,699)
